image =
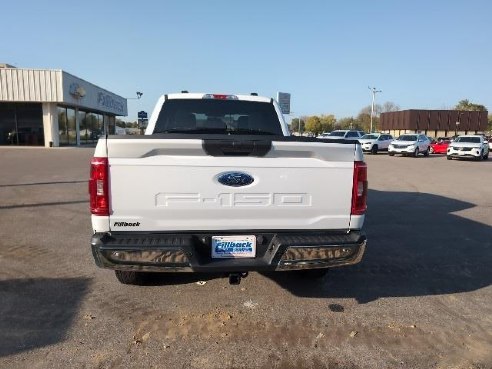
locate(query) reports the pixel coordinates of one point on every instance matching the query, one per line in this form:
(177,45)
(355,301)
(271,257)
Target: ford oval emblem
(235,179)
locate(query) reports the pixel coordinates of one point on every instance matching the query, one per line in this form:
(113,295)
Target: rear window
(337,134)
(468,139)
(352,134)
(407,138)
(218,117)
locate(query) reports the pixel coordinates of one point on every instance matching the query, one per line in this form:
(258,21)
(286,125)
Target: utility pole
(374,92)
(139,96)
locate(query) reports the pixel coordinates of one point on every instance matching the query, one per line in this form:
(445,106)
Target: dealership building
(434,123)
(46,107)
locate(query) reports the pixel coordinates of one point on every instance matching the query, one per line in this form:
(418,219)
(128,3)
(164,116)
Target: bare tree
(390,106)
(367,110)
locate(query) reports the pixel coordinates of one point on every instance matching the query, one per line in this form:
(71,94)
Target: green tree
(364,117)
(294,125)
(364,121)
(466,105)
(313,124)
(328,122)
(348,123)
(120,123)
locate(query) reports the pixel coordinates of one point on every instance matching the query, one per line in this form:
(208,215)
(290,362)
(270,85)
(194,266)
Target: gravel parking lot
(421,298)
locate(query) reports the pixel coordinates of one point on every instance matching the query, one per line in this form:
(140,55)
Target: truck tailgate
(172,185)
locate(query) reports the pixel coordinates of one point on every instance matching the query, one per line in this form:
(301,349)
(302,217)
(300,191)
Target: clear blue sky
(422,54)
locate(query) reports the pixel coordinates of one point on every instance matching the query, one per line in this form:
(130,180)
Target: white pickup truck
(217,184)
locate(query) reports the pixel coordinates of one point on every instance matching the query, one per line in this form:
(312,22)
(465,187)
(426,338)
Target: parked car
(374,142)
(410,144)
(440,146)
(343,134)
(96,133)
(490,144)
(469,146)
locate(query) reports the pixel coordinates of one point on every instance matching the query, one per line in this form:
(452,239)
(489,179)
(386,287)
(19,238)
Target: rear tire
(449,157)
(416,152)
(391,154)
(130,277)
(374,149)
(426,153)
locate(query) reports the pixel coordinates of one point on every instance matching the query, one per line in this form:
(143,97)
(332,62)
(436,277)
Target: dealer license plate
(233,247)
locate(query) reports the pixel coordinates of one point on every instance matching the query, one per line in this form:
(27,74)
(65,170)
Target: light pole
(139,95)
(374,92)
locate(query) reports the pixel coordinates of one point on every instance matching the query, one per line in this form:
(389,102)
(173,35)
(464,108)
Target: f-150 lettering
(235,199)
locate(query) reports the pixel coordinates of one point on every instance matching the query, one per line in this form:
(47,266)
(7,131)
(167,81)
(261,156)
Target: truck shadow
(417,246)
(172,279)
(37,312)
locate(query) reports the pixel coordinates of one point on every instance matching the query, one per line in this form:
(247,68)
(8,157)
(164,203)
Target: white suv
(374,142)
(469,146)
(410,144)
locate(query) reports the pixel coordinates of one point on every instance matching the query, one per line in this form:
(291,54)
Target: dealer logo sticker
(126,224)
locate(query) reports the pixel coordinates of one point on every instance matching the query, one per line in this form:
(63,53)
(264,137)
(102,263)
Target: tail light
(359,190)
(98,186)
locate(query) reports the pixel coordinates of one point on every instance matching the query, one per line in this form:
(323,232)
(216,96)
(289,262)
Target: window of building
(83,127)
(94,127)
(111,124)
(71,127)
(67,129)
(62,126)
(8,126)
(21,124)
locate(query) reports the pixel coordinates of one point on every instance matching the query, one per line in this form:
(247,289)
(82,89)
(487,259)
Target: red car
(440,146)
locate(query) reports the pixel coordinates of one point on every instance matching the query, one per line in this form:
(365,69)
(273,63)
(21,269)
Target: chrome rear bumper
(191,252)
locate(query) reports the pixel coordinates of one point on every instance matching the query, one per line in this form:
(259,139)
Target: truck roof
(197,95)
